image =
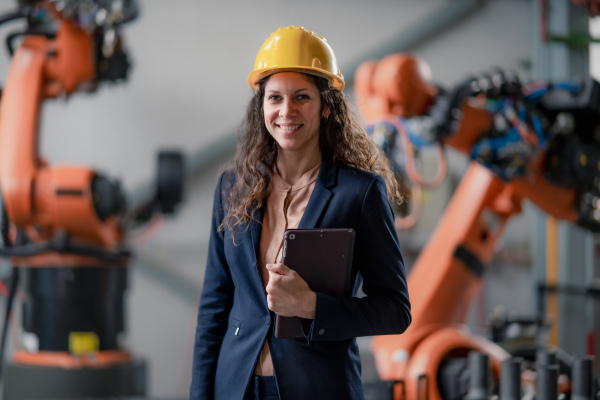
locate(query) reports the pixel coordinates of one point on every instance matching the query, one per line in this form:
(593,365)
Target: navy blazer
(234,320)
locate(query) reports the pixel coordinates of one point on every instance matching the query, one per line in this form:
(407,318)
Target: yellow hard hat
(297,49)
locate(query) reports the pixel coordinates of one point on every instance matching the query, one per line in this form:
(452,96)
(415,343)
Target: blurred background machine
(539,142)
(64,228)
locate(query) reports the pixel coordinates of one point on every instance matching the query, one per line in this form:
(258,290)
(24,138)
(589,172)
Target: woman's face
(292,109)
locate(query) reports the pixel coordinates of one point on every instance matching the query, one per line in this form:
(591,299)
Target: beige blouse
(284,210)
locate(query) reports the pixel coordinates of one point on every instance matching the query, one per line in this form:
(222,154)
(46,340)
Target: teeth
(289,128)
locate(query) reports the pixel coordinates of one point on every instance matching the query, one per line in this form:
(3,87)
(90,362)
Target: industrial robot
(64,228)
(538,142)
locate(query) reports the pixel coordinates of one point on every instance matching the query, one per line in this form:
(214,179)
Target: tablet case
(323,258)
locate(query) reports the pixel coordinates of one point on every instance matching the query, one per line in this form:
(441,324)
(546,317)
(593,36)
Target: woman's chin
(289,145)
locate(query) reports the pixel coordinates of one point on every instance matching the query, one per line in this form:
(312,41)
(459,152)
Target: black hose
(11,16)
(31,249)
(22,12)
(9,303)
(12,36)
(4,227)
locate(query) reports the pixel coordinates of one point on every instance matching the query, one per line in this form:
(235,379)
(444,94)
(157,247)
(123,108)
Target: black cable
(4,227)
(31,249)
(12,36)
(22,12)
(11,16)
(9,303)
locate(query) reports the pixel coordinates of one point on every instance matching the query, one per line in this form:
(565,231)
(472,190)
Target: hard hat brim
(336,81)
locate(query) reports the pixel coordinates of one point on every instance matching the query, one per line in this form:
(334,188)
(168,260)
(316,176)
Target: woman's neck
(291,166)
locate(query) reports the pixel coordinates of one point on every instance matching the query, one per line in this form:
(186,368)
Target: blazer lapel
(255,230)
(320,195)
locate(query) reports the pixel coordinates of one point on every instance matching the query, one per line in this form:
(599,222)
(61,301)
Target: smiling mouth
(289,127)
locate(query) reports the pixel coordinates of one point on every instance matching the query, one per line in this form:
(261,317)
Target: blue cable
(417,141)
(534,97)
(539,131)
(414,138)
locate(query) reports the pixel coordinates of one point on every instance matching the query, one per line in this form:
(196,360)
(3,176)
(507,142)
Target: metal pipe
(582,375)
(510,379)
(479,379)
(545,358)
(547,382)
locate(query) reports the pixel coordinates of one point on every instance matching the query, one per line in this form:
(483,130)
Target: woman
(303,161)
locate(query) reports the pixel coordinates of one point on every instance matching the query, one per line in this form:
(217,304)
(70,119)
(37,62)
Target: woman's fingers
(279,268)
(287,293)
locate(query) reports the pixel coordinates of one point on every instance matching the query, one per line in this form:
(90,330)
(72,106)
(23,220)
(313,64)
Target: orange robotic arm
(448,271)
(40,199)
(70,221)
(34,193)
(398,86)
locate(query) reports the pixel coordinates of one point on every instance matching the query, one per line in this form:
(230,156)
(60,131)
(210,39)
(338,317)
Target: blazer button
(321,331)
(267,319)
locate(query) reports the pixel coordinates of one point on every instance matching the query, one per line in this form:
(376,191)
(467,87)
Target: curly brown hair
(342,139)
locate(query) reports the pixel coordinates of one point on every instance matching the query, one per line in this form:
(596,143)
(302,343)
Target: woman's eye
(273,97)
(303,97)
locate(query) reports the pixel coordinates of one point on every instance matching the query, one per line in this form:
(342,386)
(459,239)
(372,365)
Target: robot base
(34,382)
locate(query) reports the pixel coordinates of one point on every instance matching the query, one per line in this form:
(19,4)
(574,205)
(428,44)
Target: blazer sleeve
(215,304)
(386,307)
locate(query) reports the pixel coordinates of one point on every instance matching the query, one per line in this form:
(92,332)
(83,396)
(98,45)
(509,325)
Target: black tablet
(323,258)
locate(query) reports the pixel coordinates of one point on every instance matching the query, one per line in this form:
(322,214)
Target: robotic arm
(65,227)
(541,139)
(62,52)
(537,142)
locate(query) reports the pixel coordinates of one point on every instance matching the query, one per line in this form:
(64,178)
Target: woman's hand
(288,294)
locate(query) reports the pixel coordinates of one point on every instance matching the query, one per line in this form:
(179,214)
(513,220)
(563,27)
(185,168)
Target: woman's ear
(326,113)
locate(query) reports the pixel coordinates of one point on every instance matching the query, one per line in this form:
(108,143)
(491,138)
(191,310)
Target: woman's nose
(287,109)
